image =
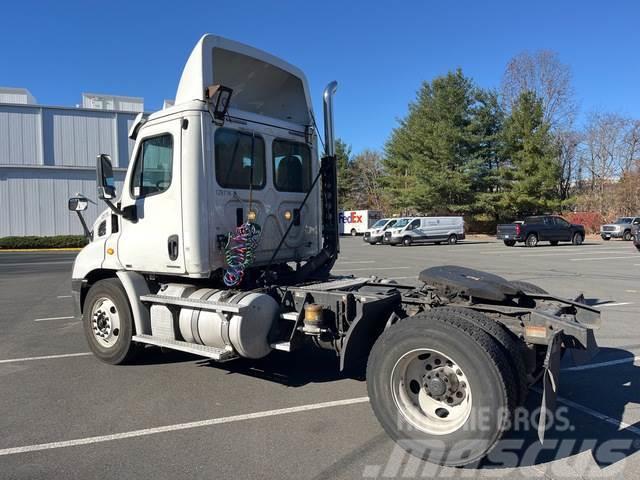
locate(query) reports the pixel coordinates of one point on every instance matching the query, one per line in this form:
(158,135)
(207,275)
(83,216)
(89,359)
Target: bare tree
(543,73)
(608,160)
(568,145)
(368,172)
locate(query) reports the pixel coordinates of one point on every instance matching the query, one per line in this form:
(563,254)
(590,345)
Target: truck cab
(198,173)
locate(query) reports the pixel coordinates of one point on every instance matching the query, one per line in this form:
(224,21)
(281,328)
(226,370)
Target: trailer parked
(357,222)
(222,242)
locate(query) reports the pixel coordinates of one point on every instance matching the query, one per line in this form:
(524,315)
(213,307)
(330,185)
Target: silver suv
(621,228)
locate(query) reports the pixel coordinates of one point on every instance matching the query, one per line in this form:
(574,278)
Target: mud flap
(550,381)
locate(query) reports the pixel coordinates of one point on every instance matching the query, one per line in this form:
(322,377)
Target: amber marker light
(287,215)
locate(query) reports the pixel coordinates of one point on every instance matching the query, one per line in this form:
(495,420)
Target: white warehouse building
(48,154)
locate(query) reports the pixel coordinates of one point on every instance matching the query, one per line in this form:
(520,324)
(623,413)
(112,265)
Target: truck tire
(108,322)
(532,240)
(354,232)
(453,239)
(577,238)
(626,236)
(511,345)
(406,241)
(451,422)
(509,243)
(527,287)
(606,239)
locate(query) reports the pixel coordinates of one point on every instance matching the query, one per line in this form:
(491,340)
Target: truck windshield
(239,159)
(291,166)
(379,223)
(623,220)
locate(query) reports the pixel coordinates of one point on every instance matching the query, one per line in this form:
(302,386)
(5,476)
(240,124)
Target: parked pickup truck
(543,228)
(621,228)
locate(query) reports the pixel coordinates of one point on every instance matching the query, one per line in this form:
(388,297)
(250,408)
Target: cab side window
(291,166)
(413,225)
(153,170)
(561,222)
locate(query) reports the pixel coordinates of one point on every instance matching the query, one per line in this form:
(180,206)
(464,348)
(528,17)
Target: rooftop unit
(120,103)
(16,95)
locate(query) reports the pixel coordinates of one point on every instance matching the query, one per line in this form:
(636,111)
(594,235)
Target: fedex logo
(350,218)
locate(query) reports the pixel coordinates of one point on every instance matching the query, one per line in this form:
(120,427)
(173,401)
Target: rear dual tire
(448,432)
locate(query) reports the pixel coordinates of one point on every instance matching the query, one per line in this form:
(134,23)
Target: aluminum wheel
(431,391)
(105,322)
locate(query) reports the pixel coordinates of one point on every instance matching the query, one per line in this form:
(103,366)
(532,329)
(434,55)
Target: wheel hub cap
(105,322)
(431,391)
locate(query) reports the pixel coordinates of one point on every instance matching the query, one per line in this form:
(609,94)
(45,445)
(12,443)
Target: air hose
(240,252)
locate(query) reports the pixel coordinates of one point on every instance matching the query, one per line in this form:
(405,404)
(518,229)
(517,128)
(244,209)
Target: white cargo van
(425,229)
(376,232)
(356,222)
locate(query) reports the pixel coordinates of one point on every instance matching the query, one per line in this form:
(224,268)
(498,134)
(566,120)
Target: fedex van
(425,229)
(356,222)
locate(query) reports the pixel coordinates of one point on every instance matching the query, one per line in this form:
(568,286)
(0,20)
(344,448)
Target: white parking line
(181,426)
(617,423)
(45,357)
(61,262)
(590,366)
(52,318)
(562,254)
(600,258)
(368,269)
(601,416)
(63,296)
(355,261)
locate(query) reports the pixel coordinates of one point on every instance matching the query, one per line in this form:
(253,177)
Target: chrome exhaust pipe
(329,138)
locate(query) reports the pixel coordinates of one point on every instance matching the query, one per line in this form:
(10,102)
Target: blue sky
(379,52)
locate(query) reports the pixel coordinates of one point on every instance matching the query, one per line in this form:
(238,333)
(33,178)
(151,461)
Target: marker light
(287,215)
(251,216)
(110,251)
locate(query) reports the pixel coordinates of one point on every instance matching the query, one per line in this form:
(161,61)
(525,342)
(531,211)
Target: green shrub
(58,241)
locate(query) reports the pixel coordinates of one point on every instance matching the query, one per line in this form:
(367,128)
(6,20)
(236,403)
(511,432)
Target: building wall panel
(19,135)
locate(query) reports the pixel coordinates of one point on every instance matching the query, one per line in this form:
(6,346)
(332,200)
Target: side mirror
(78,204)
(106,183)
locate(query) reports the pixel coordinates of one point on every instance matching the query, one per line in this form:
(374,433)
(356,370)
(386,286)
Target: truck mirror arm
(129,212)
(85,229)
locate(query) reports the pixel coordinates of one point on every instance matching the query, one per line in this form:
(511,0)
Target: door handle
(172,247)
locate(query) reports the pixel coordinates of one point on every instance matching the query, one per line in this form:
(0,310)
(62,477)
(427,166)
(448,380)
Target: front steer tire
(483,363)
(116,348)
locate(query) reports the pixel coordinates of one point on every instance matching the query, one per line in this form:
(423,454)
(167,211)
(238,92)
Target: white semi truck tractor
(222,241)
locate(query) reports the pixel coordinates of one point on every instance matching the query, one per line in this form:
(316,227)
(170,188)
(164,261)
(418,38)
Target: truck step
(218,354)
(193,303)
(337,284)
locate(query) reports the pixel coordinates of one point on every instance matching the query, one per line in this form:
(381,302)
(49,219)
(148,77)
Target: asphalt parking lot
(66,415)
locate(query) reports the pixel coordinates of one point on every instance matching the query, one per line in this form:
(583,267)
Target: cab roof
(261,83)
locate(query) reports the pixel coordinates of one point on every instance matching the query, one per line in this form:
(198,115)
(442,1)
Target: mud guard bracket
(550,381)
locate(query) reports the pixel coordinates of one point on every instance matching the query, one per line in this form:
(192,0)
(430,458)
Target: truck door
(562,230)
(153,242)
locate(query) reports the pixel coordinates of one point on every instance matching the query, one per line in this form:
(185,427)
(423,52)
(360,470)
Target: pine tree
(429,156)
(531,173)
